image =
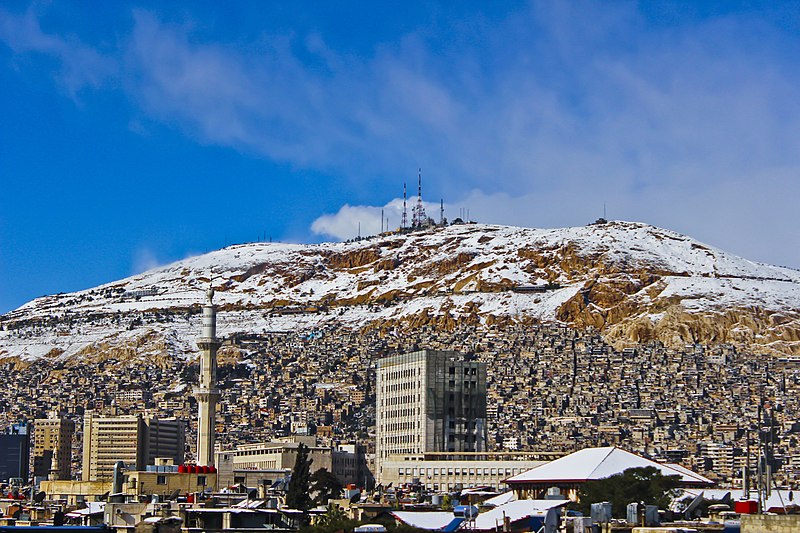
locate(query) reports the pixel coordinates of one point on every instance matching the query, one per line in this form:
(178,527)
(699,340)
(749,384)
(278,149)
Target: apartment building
(133,439)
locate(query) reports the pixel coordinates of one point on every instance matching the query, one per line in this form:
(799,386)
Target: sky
(137,134)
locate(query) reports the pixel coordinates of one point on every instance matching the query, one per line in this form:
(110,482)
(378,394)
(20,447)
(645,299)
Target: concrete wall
(760,523)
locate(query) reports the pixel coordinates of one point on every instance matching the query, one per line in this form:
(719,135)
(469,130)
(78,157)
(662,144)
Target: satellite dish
(104,497)
(39,497)
(694,505)
(252,494)
(174,495)
(355,497)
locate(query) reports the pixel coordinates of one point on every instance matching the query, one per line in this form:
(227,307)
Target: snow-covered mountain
(632,281)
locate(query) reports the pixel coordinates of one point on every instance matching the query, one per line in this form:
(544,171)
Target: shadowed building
(14,453)
(53,437)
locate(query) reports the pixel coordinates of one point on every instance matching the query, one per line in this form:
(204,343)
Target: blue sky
(135,135)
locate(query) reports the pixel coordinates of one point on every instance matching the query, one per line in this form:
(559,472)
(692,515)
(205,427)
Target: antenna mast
(419,219)
(441,212)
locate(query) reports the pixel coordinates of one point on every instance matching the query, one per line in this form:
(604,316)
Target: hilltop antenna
(419,217)
(604,210)
(404,221)
(441,213)
(381,220)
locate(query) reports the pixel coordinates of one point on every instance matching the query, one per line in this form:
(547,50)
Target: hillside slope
(632,281)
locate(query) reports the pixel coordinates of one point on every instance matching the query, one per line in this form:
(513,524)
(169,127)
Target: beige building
(75,493)
(252,463)
(447,472)
(167,482)
(135,440)
(135,483)
(52,446)
(429,401)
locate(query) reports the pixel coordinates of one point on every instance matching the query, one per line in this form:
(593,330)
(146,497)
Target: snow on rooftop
(488,521)
(598,463)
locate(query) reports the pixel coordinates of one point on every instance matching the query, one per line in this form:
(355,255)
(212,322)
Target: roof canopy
(599,463)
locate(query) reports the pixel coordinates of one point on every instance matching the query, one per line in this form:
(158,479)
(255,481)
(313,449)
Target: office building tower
(135,440)
(52,446)
(429,401)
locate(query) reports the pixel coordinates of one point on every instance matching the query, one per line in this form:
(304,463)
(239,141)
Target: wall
(752,523)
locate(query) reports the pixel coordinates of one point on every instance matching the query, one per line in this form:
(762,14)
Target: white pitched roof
(514,511)
(424,520)
(501,499)
(598,463)
(488,521)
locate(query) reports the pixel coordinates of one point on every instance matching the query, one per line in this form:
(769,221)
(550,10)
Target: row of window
(419,472)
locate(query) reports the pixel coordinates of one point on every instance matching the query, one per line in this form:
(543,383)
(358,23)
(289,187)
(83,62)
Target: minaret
(207,393)
(54,472)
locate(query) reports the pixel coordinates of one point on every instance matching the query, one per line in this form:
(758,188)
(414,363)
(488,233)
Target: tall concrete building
(52,447)
(207,393)
(133,439)
(429,401)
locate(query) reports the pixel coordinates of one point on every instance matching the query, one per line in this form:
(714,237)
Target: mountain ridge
(631,281)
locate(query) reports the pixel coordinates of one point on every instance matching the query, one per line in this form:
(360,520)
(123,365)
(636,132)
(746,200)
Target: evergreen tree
(325,485)
(645,484)
(297,495)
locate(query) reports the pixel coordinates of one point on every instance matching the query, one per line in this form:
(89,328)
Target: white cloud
(80,65)
(543,117)
(349,219)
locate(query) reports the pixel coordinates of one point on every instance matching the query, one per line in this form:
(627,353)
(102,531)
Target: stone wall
(760,523)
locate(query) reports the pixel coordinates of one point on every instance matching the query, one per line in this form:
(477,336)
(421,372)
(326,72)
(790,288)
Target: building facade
(446,472)
(52,447)
(135,440)
(429,401)
(15,454)
(276,459)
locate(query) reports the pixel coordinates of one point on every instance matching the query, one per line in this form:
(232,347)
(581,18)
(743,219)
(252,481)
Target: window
(201,481)
(161,480)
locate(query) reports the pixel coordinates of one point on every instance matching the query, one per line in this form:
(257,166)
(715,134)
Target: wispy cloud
(79,66)
(144,259)
(534,121)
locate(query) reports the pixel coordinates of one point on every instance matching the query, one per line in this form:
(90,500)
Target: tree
(325,485)
(297,496)
(645,484)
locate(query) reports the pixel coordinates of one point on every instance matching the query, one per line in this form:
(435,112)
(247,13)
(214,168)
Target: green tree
(325,485)
(645,484)
(297,495)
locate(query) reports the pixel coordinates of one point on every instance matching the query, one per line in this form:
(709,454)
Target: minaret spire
(207,393)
